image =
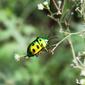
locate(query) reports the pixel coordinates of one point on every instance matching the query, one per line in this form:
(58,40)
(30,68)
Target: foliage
(21,22)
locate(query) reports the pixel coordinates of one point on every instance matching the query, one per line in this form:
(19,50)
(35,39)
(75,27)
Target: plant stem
(73,52)
(69,34)
(51,16)
(56,20)
(59,43)
(55,5)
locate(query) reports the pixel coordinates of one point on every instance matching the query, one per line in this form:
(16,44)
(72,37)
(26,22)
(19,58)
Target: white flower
(17,57)
(82,72)
(83,52)
(82,1)
(82,81)
(45,3)
(74,61)
(40,6)
(77,81)
(61,30)
(59,3)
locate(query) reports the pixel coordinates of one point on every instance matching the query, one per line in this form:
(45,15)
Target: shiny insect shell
(36,46)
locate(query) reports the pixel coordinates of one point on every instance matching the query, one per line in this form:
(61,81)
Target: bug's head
(42,41)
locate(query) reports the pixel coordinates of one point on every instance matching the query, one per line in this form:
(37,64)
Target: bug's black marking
(33,50)
(40,39)
(37,46)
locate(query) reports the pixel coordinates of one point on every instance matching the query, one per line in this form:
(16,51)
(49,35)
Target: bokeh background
(20,23)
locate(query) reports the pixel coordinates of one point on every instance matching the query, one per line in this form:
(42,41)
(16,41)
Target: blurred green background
(20,23)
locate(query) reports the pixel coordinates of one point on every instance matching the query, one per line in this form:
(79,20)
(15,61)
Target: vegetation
(62,22)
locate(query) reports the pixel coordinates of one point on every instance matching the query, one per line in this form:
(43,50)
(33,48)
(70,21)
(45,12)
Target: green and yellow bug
(34,48)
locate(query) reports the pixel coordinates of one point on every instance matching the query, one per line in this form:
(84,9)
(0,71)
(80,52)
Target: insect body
(33,49)
(36,46)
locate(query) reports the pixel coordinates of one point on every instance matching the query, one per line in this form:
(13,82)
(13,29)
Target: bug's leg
(46,49)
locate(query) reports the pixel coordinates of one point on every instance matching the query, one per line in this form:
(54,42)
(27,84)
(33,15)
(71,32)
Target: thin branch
(51,16)
(69,34)
(59,43)
(73,52)
(78,63)
(55,5)
(56,20)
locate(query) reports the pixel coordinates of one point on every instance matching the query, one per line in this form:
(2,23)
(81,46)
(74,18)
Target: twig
(73,52)
(55,5)
(51,16)
(69,34)
(56,20)
(77,62)
(59,43)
